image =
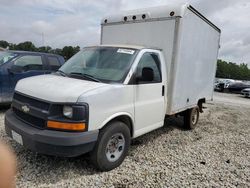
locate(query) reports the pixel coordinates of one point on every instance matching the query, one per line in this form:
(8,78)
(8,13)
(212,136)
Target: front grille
(27,118)
(32,102)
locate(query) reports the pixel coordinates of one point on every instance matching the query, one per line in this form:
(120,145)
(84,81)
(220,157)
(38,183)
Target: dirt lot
(216,153)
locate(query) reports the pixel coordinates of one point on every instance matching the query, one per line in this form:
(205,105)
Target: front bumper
(50,142)
(246,94)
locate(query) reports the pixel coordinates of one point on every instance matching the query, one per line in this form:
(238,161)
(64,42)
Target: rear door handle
(163,90)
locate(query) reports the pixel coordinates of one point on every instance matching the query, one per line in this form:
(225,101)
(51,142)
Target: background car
(237,87)
(220,84)
(15,65)
(246,92)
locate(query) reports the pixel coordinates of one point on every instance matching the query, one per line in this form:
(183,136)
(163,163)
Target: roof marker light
(172,13)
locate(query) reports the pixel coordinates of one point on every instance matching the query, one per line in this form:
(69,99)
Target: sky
(58,23)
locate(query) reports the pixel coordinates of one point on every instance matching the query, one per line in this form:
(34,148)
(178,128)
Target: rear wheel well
(126,120)
(200,102)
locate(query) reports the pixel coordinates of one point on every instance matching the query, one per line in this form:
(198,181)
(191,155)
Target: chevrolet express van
(151,64)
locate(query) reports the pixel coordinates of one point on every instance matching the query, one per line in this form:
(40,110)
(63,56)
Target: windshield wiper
(62,73)
(84,76)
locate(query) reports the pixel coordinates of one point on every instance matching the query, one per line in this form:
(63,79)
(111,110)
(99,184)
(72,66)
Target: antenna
(43,39)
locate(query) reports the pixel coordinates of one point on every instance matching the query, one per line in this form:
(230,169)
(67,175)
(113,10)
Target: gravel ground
(215,154)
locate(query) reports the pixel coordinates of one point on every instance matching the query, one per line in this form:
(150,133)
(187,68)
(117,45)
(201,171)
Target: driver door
(149,94)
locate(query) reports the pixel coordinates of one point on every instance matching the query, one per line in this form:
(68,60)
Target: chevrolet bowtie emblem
(25,109)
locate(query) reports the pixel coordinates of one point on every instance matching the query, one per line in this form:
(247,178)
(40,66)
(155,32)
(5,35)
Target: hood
(55,88)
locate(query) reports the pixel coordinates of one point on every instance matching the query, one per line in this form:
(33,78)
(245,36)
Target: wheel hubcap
(115,147)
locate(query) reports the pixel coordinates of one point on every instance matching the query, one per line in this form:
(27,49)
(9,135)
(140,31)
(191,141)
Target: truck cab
(106,95)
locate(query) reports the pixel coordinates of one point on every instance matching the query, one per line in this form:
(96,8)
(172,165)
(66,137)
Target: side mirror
(147,75)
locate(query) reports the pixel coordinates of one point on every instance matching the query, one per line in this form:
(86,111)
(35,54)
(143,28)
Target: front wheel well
(126,120)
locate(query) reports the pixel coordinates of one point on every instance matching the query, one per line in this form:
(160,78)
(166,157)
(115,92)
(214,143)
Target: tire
(107,153)
(191,118)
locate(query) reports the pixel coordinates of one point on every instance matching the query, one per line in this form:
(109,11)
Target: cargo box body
(188,41)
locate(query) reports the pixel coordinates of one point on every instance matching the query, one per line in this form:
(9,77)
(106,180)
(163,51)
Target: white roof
(150,13)
(123,46)
(127,46)
(159,12)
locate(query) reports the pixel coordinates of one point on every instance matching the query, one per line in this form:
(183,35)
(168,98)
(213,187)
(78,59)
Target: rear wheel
(112,146)
(191,118)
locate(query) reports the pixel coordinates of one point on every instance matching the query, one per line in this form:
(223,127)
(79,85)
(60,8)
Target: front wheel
(191,118)
(112,146)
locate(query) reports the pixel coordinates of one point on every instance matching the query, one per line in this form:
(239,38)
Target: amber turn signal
(66,126)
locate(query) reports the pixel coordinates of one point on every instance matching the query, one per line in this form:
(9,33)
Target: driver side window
(148,69)
(29,62)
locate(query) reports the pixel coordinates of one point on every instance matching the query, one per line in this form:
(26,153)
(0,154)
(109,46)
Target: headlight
(68,111)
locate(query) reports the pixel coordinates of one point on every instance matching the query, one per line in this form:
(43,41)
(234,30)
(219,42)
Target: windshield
(105,64)
(6,56)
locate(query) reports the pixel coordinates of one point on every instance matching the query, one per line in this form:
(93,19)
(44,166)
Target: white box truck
(151,63)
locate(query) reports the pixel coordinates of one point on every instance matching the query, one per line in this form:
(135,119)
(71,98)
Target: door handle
(163,90)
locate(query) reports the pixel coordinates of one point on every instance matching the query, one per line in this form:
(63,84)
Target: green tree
(26,46)
(4,44)
(244,72)
(56,51)
(44,49)
(68,52)
(76,49)
(232,70)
